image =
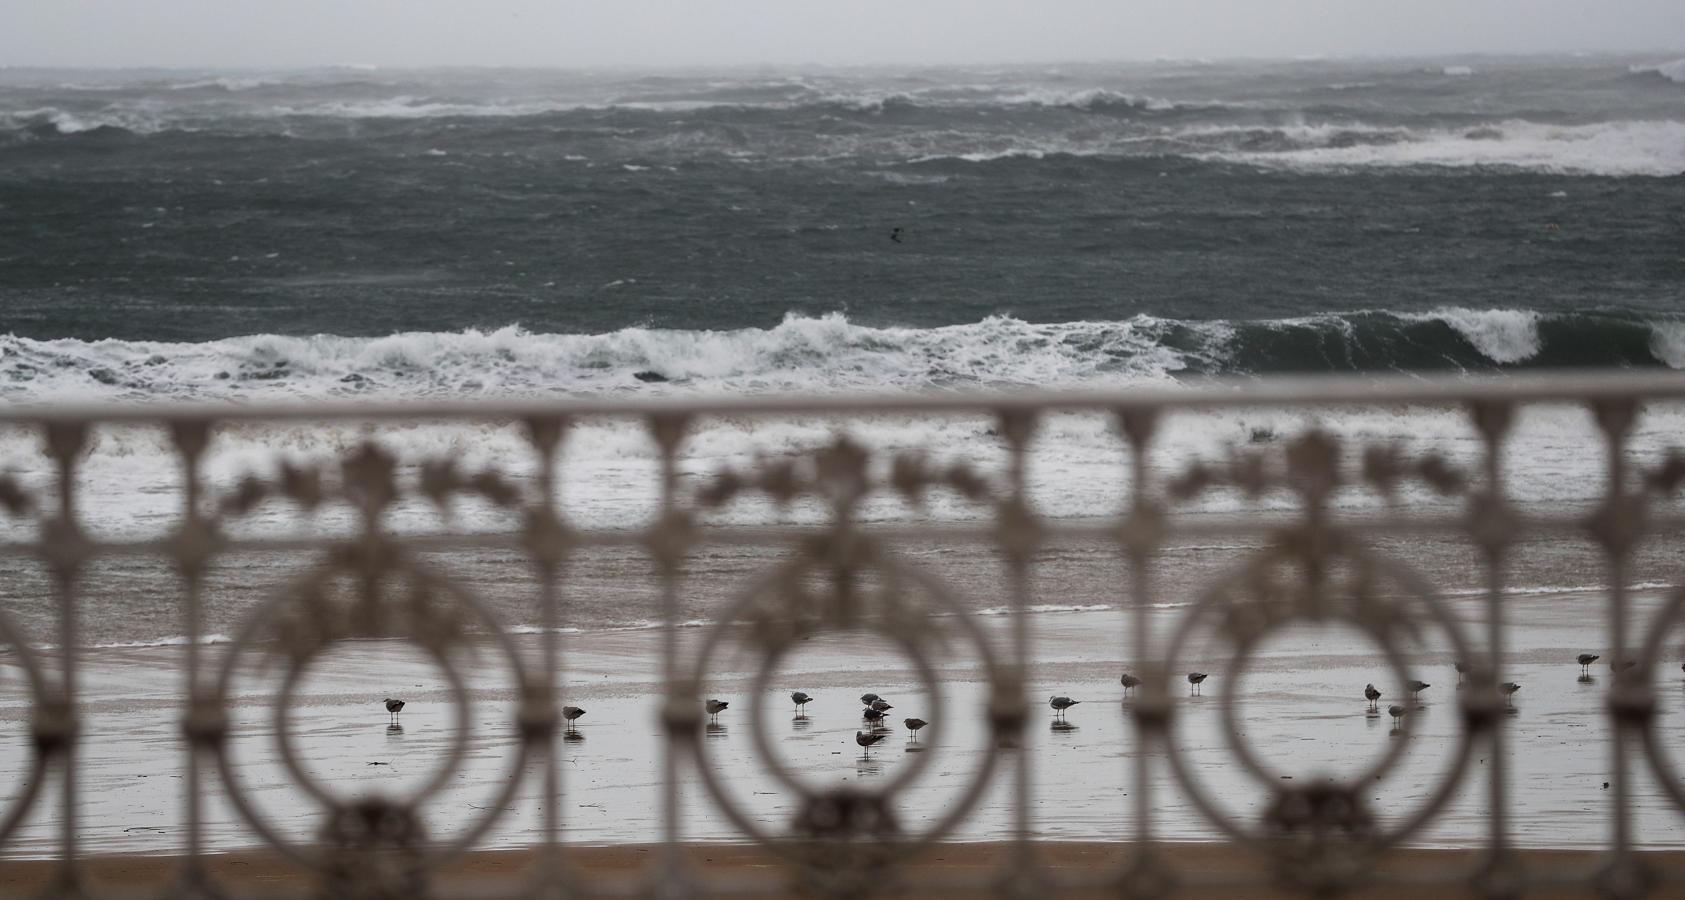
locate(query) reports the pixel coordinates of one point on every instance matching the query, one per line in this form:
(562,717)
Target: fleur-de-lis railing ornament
(839,475)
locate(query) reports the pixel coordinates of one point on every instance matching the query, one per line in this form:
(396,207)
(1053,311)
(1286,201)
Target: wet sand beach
(1301,708)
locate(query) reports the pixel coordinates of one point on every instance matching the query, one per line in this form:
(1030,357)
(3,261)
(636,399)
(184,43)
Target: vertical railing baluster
(191,553)
(1140,542)
(1615,528)
(1493,534)
(1018,534)
(66,550)
(545,550)
(680,717)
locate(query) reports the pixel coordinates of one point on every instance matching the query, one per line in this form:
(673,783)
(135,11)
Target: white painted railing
(1314,561)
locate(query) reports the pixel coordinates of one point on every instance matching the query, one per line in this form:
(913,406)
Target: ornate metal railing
(1313,561)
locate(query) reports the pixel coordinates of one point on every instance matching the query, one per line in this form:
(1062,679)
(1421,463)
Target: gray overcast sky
(194,33)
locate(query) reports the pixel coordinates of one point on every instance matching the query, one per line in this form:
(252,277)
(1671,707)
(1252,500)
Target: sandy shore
(1200,870)
(1301,709)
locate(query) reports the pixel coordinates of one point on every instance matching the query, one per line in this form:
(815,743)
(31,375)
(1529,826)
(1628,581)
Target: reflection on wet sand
(716,730)
(801,723)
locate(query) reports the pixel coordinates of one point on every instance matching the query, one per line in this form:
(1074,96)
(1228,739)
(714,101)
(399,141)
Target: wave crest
(826,353)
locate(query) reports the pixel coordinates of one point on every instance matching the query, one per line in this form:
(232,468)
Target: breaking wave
(1672,71)
(826,353)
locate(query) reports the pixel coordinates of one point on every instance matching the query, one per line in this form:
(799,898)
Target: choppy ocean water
(351,233)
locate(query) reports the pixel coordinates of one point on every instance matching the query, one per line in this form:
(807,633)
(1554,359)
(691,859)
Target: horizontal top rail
(1539,387)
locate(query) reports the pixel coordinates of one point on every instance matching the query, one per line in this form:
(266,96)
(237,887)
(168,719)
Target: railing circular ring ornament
(41,749)
(1633,697)
(1323,832)
(377,564)
(778,628)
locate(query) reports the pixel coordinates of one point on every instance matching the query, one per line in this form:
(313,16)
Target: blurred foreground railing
(1316,563)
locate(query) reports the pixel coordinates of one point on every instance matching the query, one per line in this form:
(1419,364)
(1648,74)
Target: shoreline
(1301,709)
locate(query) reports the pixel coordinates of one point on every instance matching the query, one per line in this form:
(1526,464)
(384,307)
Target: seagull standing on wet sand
(1129,682)
(1372,695)
(393,707)
(881,705)
(1195,679)
(715,707)
(1397,713)
(867,740)
(1416,688)
(571,713)
(914,725)
(1585,660)
(1509,688)
(1461,671)
(872,715)
(1060,704)
(866,699)
(800,699)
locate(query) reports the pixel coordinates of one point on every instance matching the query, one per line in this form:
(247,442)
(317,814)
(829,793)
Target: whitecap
(1504,336)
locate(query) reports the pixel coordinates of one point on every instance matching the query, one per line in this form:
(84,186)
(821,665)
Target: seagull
(1371,695)
(872,715)
(914,725)
(1585,660)
(1509,688)
(1416,688)
(881,705)
(1129,682)
(866,699)
(715,707)
(1195,679)
(1397,713)
(571,713)
(800,699)
(895,234)
(867,740)
(1060,704)
(394,707)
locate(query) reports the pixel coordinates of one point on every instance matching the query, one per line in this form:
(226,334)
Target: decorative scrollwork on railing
(1314,561)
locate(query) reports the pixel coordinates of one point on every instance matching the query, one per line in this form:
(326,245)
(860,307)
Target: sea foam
(1504,336)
